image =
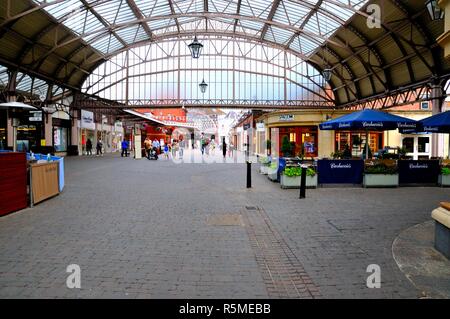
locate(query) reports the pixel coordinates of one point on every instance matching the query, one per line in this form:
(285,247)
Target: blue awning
(370,120)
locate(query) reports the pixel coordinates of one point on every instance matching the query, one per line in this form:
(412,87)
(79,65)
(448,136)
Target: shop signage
(340,171)
(35,116)
(87,120)
(418,172)
(246,126)
(260,127)
(286,117)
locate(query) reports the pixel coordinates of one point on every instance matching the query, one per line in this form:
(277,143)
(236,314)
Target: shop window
(425,105)
(60,139)
(408,144)
(423,144)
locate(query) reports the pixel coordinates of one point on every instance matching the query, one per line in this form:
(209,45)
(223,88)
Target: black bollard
(303,183)
(249,174)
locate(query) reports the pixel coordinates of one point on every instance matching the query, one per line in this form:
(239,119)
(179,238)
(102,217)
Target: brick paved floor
(139,229)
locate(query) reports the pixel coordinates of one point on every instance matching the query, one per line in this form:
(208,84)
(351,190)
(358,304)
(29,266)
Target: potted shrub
(272,172)
(291,177)
(265,164)
(381,173)
(286,147)
(444,177)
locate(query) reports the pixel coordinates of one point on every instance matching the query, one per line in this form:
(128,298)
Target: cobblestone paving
(139,229)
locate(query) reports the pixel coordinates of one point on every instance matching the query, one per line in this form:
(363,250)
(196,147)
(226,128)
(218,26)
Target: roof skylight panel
(128,34)
(184,6)
(256,8)
(222,6)
(59,10)
(289,12)
(114,44)
(145,6)
(108,10)
(281,36)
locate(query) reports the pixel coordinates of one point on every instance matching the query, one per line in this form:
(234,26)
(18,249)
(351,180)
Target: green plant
(264,160)
(445,171)
(347,153)
(380,168)
(297,171)
(286,147)
(401,152)
(337,155)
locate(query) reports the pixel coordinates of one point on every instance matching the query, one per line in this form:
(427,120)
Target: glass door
(417,147)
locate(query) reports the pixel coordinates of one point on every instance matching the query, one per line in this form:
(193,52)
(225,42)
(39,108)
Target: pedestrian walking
(88,147)
(99,147)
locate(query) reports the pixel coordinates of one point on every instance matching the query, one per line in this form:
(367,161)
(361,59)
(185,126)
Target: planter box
(272,174)
(444,180)
(294,182)
(264,169)
(380,180)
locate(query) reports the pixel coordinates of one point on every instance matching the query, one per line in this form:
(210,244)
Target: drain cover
(250,208)
(225,220)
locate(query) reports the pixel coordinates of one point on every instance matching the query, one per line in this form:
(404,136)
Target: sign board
(340,171)
(246,126)
(260,127)
(44,181)
(87,120)
(419,172)
(137,147)
(286,117)
(35,116)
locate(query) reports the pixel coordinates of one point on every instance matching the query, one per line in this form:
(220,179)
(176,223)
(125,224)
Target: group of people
(99,147)
(176,148)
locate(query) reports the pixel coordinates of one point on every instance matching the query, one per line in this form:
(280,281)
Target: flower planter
(380,180)
(294,181)
(444,180)
(264,169)
(272,174)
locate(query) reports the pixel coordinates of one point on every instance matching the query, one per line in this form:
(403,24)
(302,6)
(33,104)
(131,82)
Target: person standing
(224,148)
(99,147)
(124,148)
(166,151)
(182,146)
(202,144)
(147,146)
(88,147)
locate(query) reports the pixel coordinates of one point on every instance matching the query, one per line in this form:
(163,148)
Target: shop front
(61,129)
(303,141)
(87,130)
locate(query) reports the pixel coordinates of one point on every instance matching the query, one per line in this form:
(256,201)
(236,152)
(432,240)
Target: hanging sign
(87,120)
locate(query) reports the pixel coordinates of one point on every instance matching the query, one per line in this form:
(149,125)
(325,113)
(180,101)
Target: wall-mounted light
(326,73)
(436,13)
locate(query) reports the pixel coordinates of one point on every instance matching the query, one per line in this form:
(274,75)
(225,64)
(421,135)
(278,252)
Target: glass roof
(111,25)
